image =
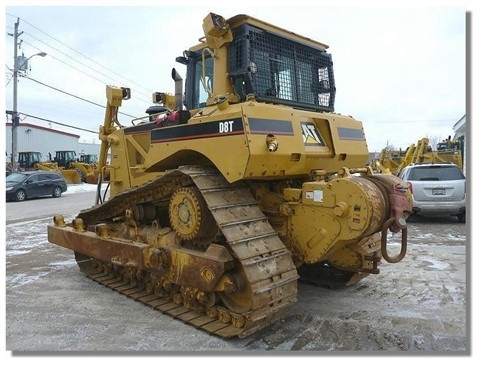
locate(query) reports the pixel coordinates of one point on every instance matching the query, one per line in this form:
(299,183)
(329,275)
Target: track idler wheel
(189,215)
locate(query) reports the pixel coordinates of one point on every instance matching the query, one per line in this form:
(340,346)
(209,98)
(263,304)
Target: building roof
(33,126)
(460,125)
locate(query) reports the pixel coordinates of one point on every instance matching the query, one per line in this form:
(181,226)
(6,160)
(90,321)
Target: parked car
(438,189)
(32,184)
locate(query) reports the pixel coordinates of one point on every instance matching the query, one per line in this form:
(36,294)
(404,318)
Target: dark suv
(32,184)
(438,189)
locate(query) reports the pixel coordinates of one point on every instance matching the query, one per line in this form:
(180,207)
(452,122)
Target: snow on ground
(81,188)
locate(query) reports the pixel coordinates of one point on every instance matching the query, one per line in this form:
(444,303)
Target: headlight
(9,188)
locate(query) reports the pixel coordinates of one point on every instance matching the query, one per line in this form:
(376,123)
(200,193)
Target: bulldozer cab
(261,61)
(63,158)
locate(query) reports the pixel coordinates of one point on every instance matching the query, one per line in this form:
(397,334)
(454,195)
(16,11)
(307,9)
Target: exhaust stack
(178,89)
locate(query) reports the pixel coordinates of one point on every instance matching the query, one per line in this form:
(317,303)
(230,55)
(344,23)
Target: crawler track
(269,277)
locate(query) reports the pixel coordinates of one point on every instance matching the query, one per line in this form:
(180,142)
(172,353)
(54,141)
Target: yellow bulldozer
(393,161)
(237,187)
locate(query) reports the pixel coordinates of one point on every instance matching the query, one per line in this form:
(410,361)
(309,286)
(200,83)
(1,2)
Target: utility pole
(19,63)
(15,118)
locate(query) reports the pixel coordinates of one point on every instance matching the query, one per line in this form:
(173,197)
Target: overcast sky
(400,69)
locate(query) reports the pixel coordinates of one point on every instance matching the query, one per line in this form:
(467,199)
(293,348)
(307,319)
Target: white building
(460,129)
(33,138)
(88,149)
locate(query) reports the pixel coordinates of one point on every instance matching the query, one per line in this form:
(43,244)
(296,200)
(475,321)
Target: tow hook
(395,225)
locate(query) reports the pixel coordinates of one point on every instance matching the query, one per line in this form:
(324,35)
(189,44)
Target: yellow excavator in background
(222,198)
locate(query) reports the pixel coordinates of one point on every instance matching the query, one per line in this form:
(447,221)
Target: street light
(15,118)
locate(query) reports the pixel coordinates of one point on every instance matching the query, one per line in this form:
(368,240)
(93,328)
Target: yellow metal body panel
(234,140)
(332,215)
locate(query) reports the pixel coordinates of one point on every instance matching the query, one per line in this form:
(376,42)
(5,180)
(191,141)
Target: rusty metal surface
(248,285)
(266,275)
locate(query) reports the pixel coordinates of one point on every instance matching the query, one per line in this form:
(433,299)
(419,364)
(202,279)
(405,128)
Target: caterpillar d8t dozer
(233,189)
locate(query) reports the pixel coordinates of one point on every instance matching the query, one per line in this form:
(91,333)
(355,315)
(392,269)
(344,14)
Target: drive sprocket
(189,216)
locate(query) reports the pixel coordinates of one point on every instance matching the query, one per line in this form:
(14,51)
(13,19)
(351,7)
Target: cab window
(201,95)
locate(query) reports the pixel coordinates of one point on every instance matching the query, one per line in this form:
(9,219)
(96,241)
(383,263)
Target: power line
(69,65)
(75,68)
(11,76)
(64,92)
(75,96)
(410,121)
(62,124)
(79,53)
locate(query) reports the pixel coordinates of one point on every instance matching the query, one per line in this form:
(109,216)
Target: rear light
(409,186)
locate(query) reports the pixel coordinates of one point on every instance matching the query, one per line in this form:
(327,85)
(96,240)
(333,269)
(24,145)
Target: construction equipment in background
(67,162)
(452,150)
(88,159)
(246,183)
(90,162)
(32,160)
(393,161)
(28,159)
(389,160)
